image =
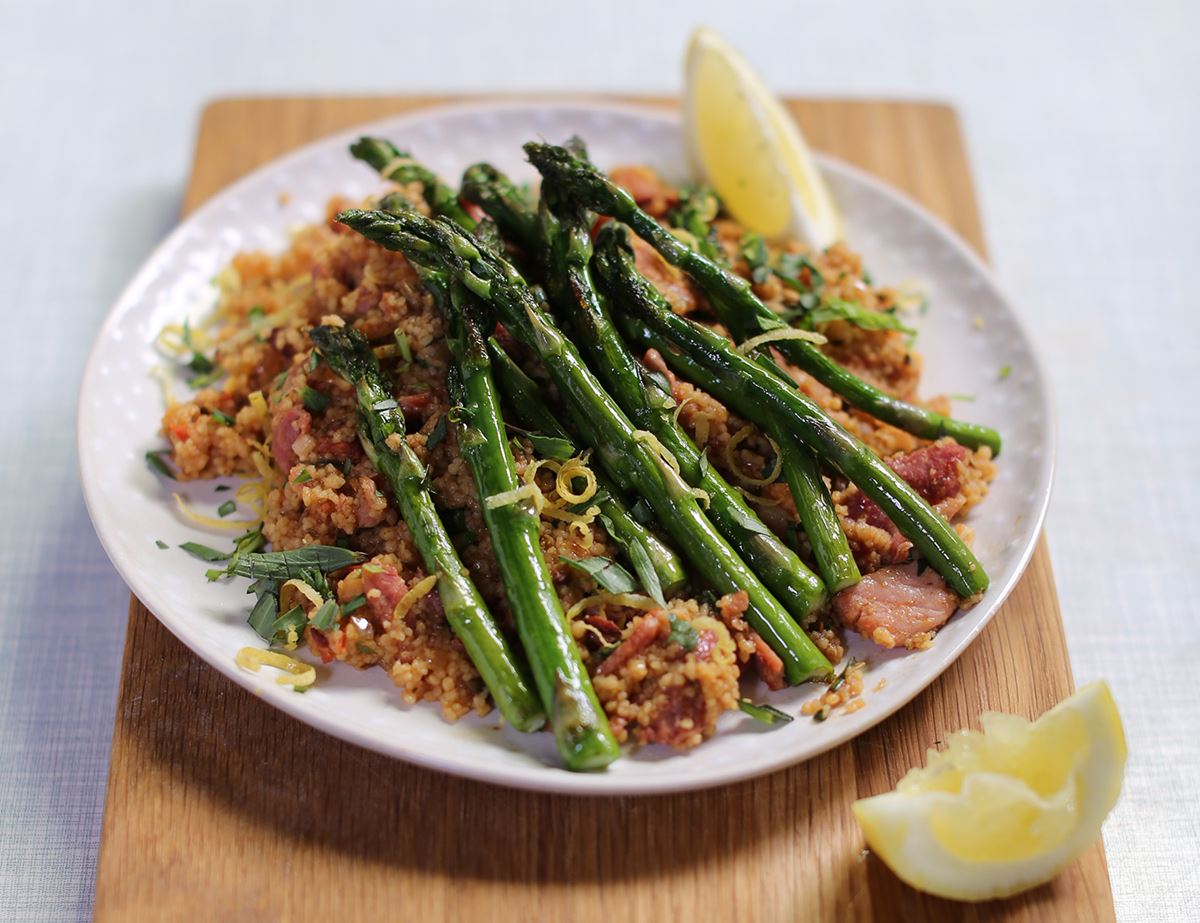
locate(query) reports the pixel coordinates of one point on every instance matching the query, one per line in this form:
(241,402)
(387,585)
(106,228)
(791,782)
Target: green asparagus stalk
(580,727)
(381,430)
(641,546)
(573,294)
(731,295)
(626,452)
(759,395)
(398,166)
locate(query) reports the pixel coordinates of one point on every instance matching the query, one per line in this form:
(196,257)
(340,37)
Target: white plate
(970,333)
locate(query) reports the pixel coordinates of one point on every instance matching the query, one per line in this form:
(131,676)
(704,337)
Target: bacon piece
(654,361)
(647,188)
(676,287)
(383,587)
(897,605)
(645,631)
(684,701)
(933,471)
(412,405)
(289,426)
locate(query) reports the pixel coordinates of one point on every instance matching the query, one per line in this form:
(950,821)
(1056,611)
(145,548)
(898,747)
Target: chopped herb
(437,434)
(364,648)
(404,349)
(314,359)
(961,397)
(603,652)
(682,633)
(546,446)
(226,508)
(641,512)
(155,461)
(256,312)
(326,616)
(223,418)
(284,565)
(385,405)
(354,605)
(704,465)
(839,309)
(278,380)
(200,364)
(221,488)
(639,557)
(315,401)
(160,543)
(303,477)
(745,518)
(293,620)
(767,714)
(790,265)
(204,553)
(610,575)
(841,677)
(1005,371)
(203,381)
(262,616)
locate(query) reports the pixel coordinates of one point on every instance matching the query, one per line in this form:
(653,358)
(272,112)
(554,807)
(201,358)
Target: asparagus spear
(569,249)
(381,430)
(641,546)
(580,727)
(731,295)
(759,395)
(624,451)
(398,166)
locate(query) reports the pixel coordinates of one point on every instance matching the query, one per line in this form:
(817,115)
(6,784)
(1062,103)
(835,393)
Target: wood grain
(220,807)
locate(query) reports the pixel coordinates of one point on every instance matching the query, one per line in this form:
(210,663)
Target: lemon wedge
(743,142)
(1004,810)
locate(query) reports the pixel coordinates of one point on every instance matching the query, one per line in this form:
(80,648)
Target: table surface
(1084,130)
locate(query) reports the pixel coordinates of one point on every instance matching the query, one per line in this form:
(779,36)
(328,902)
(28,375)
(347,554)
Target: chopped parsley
(314,401)
(154,459)
(160,543)
(682,633)
(226,508)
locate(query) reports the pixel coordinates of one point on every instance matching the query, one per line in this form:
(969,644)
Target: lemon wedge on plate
(1004,810)
(743,142)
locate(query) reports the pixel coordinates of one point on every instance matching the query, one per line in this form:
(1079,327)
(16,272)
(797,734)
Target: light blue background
(1083,127)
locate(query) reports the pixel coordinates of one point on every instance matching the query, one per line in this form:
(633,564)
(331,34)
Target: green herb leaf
(303,477)
(744,517)
(639,557)
(641,512)
(790,266)
(160,543)
(682,633)
(226,508)
(294,619)
(404,349)
(767,714)
(552,446)
(284,565)
(437,434)
(326,616)
(314,401)
(221,488)
(155,460)
(204,553)
(1005,371)
(262,616)
(354,605)
(610,575)
(840,309)
(314,359)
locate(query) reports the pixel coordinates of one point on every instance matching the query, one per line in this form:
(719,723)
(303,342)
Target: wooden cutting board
(221,808)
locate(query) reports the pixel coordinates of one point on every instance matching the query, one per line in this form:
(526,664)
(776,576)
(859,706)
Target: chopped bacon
(412,405)
(933,471)
(603,624)
(654,361)
(683,702)
(669,280)
(896,605)
(320,645)
(770,664)
(383,587)
(369,504)
(646,187)
(290,425)
(645,631)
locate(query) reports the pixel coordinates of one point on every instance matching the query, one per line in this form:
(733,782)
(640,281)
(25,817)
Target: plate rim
(558,781)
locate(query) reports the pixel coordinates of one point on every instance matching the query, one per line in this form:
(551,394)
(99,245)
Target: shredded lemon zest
(259,403)
(587,538)
(254,495)
(565,515)
(780,333)
(758,499)
(701,430)
(212,522)
(654,445)
(772,475)
(571,469)
(532,470)
(679,407)
(702,497)
(517,494)
(293,591)
(415,592)
(629,600)
(297,673)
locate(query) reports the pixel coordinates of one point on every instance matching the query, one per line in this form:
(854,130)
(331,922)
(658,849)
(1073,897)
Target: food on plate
(596,459)
(1006,808)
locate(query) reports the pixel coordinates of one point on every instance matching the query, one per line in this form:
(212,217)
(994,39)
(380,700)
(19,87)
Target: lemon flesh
(1005,809)
(745,144)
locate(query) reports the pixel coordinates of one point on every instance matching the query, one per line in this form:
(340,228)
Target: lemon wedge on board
(1004,810)
(743,142)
